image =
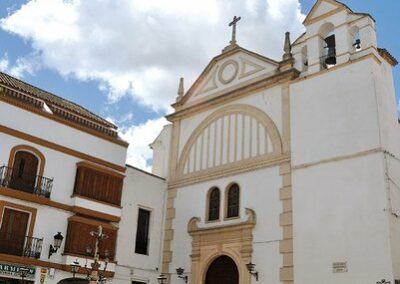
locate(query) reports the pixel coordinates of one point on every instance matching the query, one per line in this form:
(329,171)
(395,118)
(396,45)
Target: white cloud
(4,63)
(139,137)
(22,66)
(141,48)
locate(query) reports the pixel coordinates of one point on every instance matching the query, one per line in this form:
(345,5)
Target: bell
(331,46)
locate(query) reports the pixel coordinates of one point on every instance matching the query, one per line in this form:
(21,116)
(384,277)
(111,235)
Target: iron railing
(26,247)
(35,184)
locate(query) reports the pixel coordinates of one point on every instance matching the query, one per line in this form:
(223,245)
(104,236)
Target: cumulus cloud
(141,48)
(4,63)
(139,137)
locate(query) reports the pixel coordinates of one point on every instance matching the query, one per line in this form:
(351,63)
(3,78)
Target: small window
(213,204)
(142,233)
(233,201)
(137,282)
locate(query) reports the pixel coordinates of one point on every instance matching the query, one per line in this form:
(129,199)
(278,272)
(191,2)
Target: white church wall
(141,190)
(387,108)
(340,215)
(260,192)
(61,134)
(161,152)
(334,114)
(390,140)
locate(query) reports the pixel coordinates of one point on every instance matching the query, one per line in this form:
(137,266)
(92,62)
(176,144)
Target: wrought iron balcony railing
(35,184)
(26,247)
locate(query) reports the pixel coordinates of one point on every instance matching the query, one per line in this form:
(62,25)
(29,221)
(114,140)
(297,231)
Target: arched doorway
(24,171)
(73,281)
(222,270)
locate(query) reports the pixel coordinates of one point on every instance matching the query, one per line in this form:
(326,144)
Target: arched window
(24,171)
(213,204)
(233,197)
(355,38)
(328,56)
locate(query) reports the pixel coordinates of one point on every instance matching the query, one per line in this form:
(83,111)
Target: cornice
(239,91)
(35,106)
(230,170)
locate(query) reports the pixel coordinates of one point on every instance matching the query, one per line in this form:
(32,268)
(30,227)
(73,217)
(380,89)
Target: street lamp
(75,267)
(58,238)
(162,279)
(180,272)
(251,268)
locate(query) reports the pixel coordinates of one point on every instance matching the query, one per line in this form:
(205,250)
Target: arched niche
(234,134)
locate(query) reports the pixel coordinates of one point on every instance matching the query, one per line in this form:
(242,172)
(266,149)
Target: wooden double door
(13,231)
(24,171)
(222,270)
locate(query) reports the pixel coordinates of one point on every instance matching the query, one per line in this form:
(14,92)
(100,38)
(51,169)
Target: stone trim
(234,240)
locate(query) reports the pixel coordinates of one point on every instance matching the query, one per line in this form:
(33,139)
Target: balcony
(34,184)
(26,247)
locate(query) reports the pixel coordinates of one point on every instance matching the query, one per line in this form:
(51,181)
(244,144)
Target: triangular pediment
(322,8)
(226,71)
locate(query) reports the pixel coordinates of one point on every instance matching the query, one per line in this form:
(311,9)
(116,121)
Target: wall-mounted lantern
(58,238)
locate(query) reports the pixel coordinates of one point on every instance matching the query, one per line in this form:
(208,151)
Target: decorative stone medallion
(228,71)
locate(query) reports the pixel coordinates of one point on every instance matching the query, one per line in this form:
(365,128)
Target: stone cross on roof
(233,25)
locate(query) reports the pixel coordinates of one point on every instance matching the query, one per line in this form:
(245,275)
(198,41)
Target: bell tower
(334,35)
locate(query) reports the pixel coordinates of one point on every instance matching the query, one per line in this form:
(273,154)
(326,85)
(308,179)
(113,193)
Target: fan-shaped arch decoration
(231,135)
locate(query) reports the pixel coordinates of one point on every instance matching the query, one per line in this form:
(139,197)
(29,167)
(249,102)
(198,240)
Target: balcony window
(13,239)
(98,185)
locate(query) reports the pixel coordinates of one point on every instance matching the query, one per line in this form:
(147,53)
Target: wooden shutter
(79,239)
(13,231)
(98,185)
(24,171)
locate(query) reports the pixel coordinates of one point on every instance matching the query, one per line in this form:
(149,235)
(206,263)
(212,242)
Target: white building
(140,238)
(291,165)
(62,172)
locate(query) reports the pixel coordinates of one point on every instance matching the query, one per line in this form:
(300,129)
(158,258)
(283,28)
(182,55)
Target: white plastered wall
(141,190)
(263,184)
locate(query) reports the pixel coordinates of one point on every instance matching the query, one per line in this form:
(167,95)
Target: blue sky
(127,70)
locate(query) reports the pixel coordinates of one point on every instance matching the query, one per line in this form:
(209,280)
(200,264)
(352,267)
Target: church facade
(286,171)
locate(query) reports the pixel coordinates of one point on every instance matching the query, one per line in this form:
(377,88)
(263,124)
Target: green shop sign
(11,270)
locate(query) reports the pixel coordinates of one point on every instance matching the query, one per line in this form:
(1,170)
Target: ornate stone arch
(234,240)
(232,255)
(203,151)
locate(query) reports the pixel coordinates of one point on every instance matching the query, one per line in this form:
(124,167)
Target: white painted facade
(313,148)
(37,131)
(146,191)
(338,126)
